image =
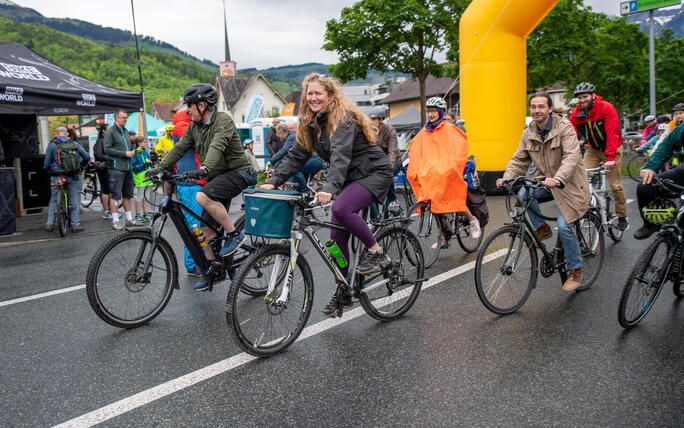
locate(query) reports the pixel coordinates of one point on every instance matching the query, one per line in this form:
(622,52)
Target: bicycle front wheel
(391,293)
(506,270)
(592,248)
(465,239)
(645,281)
(89,190)
(120,290)
(636,162)
(267,323)
(427,231)
(613,230)
(62,210)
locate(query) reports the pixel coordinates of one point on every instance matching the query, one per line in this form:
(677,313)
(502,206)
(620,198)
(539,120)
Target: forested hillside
(165,76)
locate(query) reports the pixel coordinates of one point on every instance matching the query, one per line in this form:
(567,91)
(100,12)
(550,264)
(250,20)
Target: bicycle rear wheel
(262,326)
(403,199)
(636,162)
(119,292)
(62,210)
(393,298)
(645,281)
(592,248)
(427,231)
(89,190)
(506,270)
(465,240)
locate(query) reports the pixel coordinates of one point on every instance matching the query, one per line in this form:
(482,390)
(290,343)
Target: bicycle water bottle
(199,235)
(336,253)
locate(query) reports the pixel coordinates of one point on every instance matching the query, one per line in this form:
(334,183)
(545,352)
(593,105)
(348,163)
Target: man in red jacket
(597,125)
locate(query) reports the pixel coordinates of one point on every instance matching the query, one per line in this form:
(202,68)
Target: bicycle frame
(600,192)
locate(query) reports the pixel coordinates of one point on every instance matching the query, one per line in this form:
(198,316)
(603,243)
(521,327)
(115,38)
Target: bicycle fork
(283,271)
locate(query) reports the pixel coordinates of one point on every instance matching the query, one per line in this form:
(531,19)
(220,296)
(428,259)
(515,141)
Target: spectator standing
(117,145)
(52,162)
(165,143)
(102,176)
(273,142)
(141,163)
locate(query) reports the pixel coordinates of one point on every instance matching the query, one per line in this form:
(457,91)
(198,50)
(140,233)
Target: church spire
(225,26)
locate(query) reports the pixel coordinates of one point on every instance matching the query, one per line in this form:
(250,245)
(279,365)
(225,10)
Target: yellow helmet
(659,212)
(169,128)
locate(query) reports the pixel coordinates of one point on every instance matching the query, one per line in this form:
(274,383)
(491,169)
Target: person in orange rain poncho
(437,157)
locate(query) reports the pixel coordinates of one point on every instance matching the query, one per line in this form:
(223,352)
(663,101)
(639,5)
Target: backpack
(68,157)
(476,202)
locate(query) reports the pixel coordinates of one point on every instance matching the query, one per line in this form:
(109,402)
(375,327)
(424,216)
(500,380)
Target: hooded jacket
(181,121)
(557,156)
(601,129)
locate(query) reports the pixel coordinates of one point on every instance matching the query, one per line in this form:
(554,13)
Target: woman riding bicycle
(359,174)
(437,158)
(551,143)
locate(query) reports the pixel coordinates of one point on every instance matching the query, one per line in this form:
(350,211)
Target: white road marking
(41,295)
(167,388)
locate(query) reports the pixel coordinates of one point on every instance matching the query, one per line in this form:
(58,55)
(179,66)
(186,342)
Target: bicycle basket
(659,212)
(269,213)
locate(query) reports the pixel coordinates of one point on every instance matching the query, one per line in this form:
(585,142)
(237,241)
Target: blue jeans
(313,165)
(573,255)
(73,185)
(187,197)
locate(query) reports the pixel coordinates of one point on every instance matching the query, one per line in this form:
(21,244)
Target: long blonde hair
(339,109)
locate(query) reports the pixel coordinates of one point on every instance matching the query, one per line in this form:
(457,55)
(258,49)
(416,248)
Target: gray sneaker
(117,225)
(134,222)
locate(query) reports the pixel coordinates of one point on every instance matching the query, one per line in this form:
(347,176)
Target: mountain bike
(660,262)
(506,269)
(89,190)
(132,275)
(603,203)
(62,209)
(267,322)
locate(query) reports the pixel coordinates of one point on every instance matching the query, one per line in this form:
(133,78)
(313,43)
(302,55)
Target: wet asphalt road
(562,359)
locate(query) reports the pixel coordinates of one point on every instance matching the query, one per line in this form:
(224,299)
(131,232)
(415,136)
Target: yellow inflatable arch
(493,37)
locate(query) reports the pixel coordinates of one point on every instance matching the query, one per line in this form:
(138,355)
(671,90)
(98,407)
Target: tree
(393,35)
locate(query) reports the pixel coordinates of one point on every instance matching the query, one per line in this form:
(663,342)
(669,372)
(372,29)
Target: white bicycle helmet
(663,127)
(436,102)
(649,118)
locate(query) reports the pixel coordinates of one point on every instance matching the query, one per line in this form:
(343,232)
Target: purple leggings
(345,212)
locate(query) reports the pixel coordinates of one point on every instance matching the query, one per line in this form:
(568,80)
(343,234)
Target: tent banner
(288,110)
(30,84)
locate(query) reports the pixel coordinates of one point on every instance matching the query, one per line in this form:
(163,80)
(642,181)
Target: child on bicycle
(141,164)
(360,173)
(437,160)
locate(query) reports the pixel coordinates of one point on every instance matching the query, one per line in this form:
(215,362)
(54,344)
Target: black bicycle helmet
(678,107)
(200,92)
(664,118)
(584,88)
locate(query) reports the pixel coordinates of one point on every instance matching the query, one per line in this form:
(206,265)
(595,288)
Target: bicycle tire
(636,162)
(403,199)
(62,212)
(390,301)
(426,229)
(467,243)
(115,263)
(499,250)
(613,230)
(592,247)
(242,253)
(645,281)
(257,321)
(88,191)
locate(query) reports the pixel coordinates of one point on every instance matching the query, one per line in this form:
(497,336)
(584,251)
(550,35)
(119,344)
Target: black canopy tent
(30,84)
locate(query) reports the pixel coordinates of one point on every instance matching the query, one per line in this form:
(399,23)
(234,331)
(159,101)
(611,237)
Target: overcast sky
(262,33)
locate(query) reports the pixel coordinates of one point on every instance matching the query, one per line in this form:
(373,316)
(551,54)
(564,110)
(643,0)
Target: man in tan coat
(551,143)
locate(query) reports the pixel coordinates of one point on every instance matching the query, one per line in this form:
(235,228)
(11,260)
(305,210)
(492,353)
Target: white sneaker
(475,230)
(117,226)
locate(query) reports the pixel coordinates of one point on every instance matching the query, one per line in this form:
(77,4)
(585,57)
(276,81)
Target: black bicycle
(266,323)
(660,262)
(62,209)
(89,189)
(506,269)
(132,275)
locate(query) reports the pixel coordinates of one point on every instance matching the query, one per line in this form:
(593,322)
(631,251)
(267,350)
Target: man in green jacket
(215,139)
(646,192)
(117,145)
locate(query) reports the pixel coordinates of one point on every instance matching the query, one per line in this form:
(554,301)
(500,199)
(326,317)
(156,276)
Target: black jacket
(352,159)
(273,143)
